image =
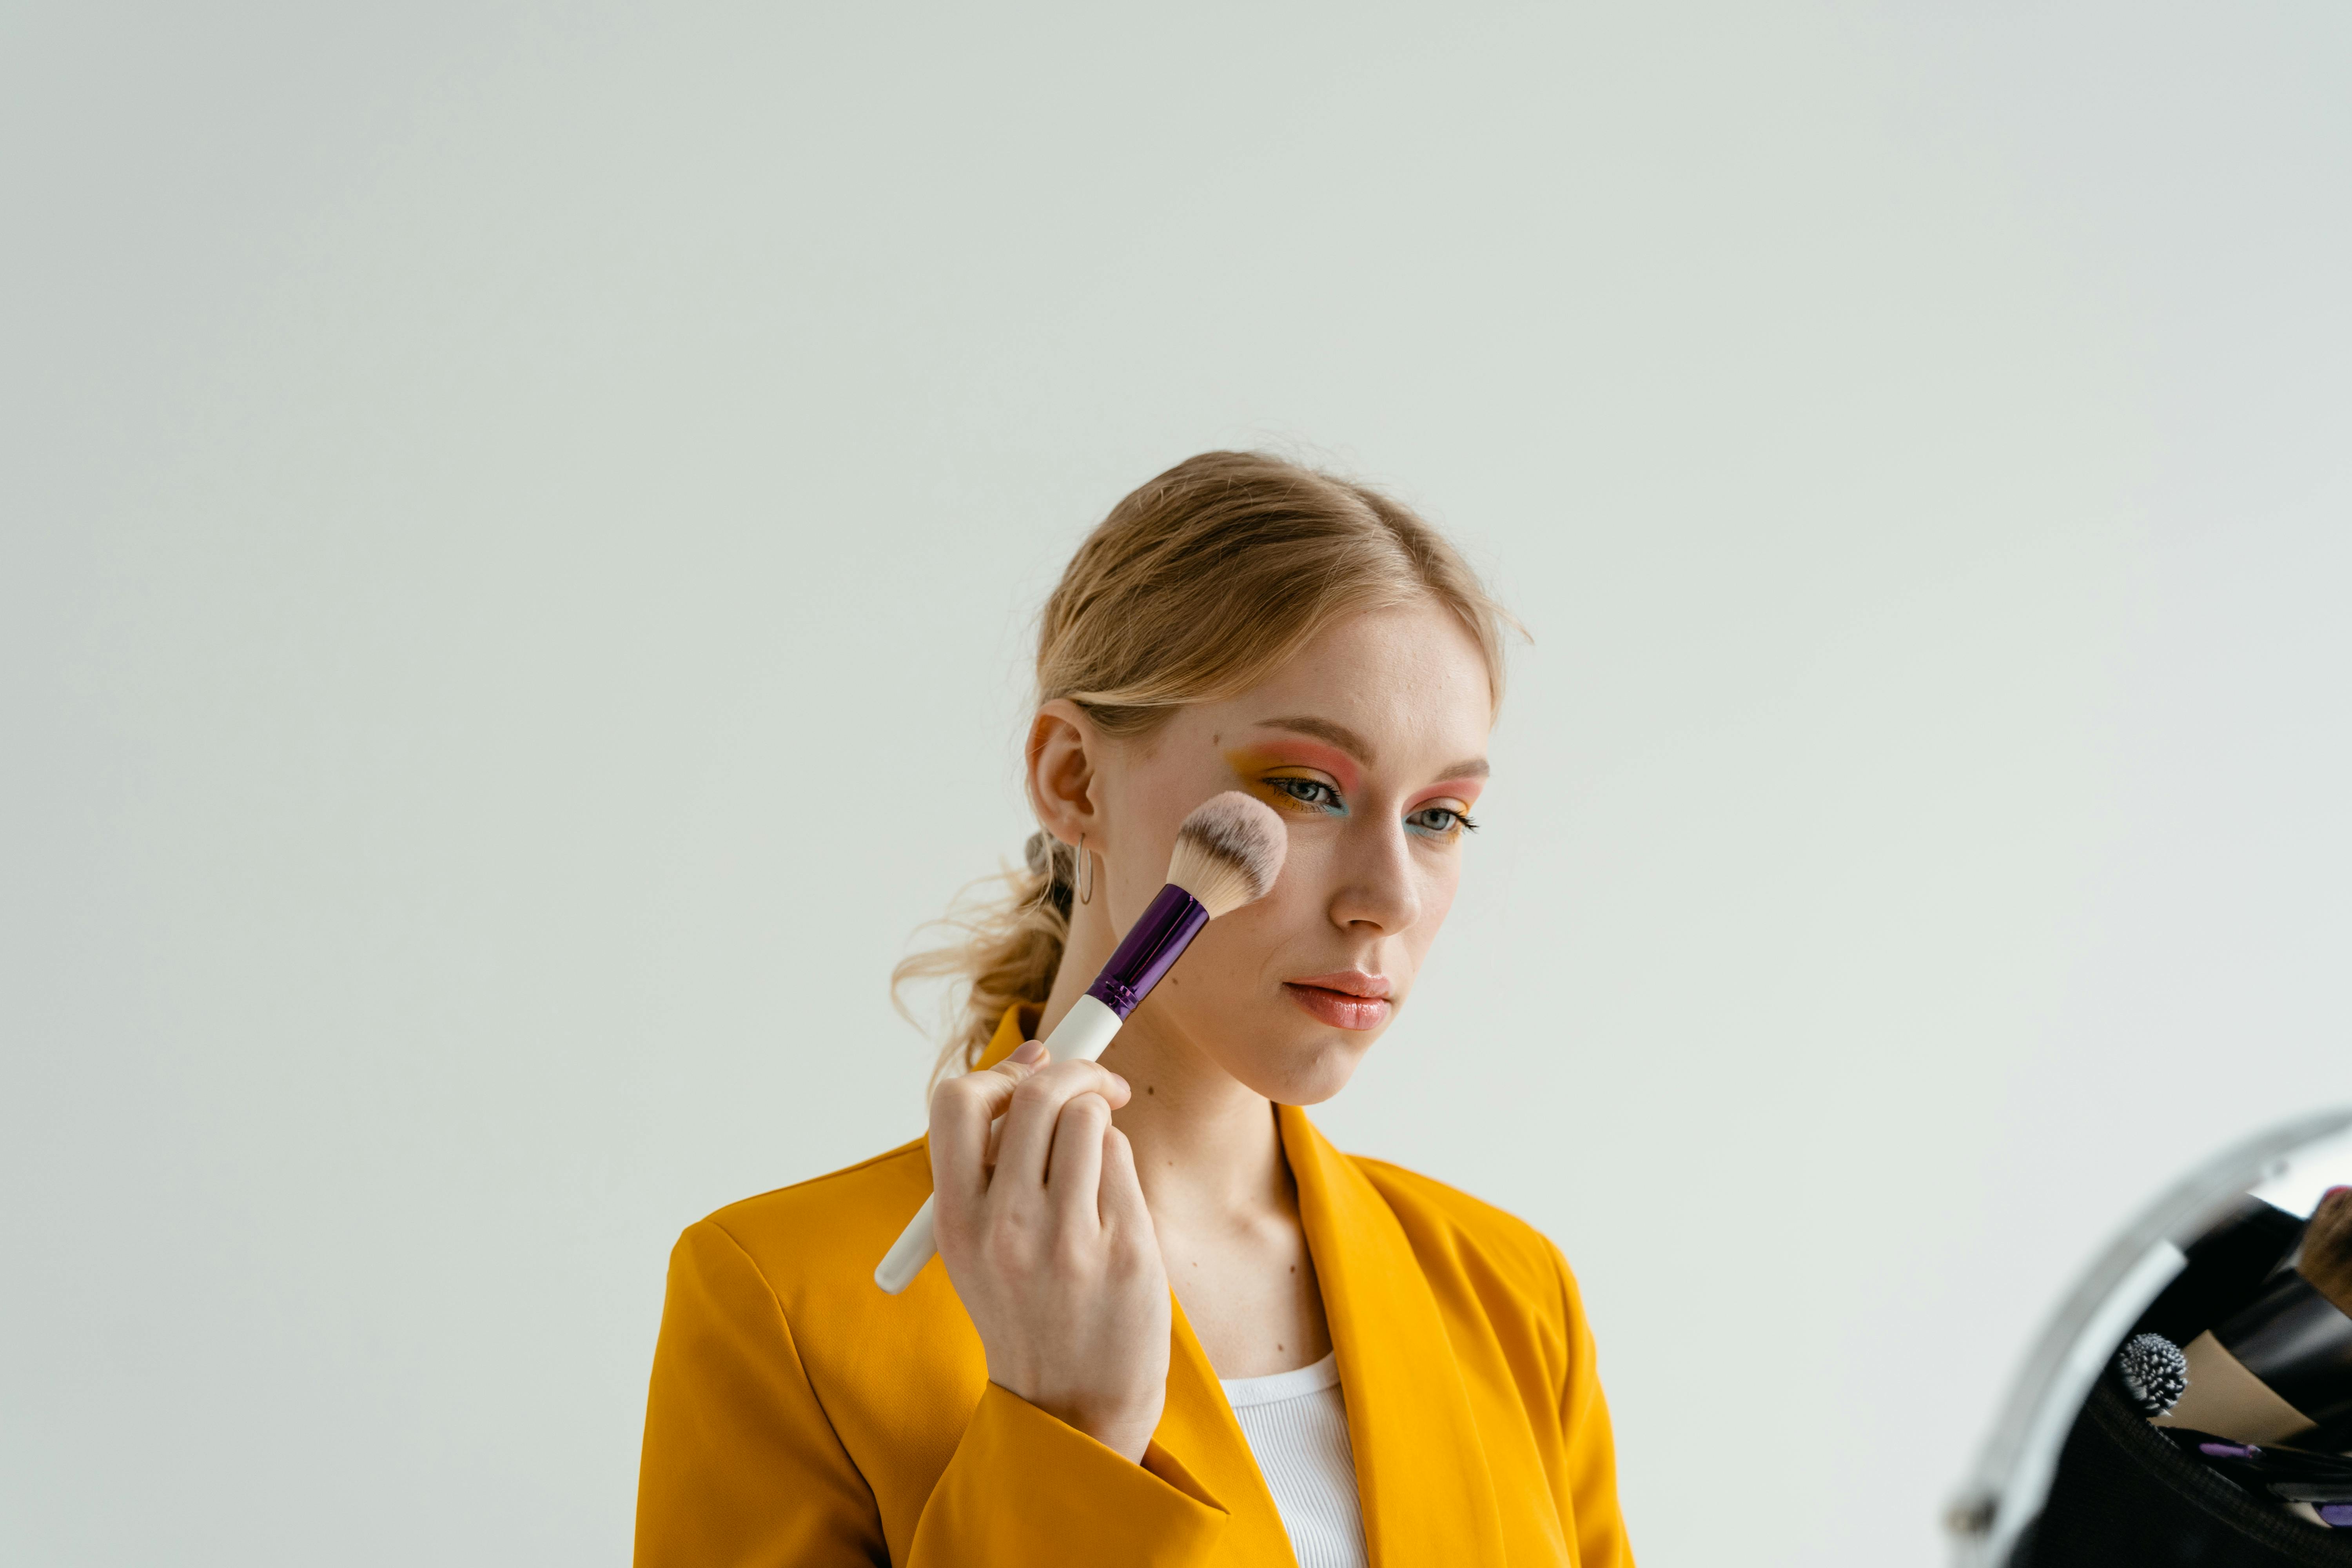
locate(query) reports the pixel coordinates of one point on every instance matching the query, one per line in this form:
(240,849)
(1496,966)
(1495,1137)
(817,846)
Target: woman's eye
(1443,820)
(1307,792)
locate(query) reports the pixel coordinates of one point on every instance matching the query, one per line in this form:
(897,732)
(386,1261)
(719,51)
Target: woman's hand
(1052,1250)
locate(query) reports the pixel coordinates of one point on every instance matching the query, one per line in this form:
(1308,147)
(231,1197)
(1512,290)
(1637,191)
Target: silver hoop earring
(1086,873)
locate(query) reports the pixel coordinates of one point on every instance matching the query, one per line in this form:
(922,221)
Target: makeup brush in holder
(1228,854)
(2280,1367)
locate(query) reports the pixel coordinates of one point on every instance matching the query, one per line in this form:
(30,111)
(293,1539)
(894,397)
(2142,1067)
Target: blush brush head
(1228,852)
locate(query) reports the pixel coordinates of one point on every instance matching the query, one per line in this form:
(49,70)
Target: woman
(1357,1365)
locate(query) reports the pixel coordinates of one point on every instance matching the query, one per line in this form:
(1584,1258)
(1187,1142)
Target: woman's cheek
(1234,946)
(1436,903)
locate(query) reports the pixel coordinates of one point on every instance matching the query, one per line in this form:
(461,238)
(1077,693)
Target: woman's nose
(1377,888)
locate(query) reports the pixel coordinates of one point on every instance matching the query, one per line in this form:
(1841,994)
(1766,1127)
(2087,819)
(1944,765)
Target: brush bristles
(1228,852)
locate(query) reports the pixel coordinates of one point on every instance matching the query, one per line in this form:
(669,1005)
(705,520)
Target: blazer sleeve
(1588,1478)
(742,1467)
(1025,1488)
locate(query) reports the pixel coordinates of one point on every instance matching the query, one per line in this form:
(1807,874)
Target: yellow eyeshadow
(1253,768)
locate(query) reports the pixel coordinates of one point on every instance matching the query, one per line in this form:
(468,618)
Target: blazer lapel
(1421,1470)
(1198,1429)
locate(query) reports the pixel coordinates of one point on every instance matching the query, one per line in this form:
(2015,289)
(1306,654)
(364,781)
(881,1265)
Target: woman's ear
(1064,750)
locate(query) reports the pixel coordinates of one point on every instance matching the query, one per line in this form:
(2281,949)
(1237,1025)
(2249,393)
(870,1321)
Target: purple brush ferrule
(1149,950)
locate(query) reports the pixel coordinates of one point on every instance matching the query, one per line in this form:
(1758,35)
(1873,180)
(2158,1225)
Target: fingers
(1032,1056)
(1119,1199)
(961,1139)
(1077,1169)
(1038,1102)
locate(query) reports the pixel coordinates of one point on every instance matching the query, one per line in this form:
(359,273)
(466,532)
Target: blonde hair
(1197,587)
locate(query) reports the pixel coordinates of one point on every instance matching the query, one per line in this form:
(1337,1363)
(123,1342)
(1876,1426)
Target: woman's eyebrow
(1356,746)
(1325,730)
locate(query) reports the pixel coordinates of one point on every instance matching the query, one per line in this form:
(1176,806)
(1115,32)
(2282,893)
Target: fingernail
(1029,1052)
(1122,1083)
(2332,1191)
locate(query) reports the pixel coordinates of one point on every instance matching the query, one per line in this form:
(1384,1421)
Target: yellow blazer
(799,1416)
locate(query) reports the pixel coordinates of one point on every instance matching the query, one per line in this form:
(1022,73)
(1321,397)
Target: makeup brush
(2326,1258)
(2279,1369)
(1228,853)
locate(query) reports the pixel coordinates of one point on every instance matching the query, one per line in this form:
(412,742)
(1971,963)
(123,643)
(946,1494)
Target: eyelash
(1463,821)
(1315,792)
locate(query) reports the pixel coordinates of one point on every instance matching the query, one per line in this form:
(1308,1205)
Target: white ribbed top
(1297,1424)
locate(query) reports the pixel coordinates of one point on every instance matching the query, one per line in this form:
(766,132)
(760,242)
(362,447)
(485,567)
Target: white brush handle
(1080,1036)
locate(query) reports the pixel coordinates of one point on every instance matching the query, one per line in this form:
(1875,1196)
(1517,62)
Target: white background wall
(517,528)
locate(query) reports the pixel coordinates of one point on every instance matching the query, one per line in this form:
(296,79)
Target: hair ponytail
(1198,585)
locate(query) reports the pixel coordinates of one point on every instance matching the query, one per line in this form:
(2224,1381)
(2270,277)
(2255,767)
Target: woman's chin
(1309,1066)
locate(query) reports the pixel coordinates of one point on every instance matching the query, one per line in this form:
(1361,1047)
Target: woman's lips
(1342,1001)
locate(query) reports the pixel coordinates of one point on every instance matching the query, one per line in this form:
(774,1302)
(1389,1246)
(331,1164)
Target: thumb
(1030,1058)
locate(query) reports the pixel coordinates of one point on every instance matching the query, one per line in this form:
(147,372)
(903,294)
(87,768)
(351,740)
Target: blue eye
(1308,792)
(1442,822)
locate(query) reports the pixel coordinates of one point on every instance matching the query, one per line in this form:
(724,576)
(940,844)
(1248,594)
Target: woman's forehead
(1404,679)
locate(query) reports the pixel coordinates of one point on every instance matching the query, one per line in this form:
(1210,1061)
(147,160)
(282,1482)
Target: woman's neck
(1207,1149)
(1209,1154)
